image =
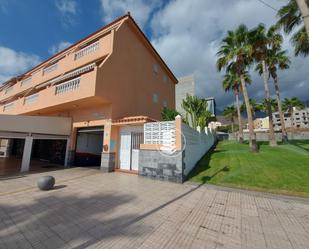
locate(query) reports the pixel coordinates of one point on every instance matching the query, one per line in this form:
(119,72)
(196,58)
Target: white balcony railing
(26,81)
(31,99)
(67,86)
(50,68)
(8,90)
(8,107)
(87,50)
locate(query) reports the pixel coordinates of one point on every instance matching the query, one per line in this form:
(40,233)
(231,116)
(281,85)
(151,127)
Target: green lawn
(283,169)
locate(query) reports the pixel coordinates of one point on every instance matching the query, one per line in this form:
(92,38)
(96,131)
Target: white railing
(86,50)
(8,90)
(160,132)
(8,107)
(50,68)
(31,99)
(26,81)
(67,86)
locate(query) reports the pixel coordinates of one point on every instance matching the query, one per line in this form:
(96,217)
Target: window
(155,68)
(155,98)
(164,103)
(164,78)
(26,81)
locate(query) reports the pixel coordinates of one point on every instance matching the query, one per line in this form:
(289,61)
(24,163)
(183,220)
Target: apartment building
(109,84)
(296,119)
(261,123)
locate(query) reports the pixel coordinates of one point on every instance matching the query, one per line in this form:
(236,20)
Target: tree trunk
(283,130)
(252,137)
(241,134)
(304,10)
(272,137)
(232,126)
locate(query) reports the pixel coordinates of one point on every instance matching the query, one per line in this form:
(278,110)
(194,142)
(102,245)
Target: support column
(25,164)
(66,159)
(108,153)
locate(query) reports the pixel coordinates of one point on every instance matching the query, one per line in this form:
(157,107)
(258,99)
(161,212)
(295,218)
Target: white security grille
(26,81)
(160,133)
(50,68)
(68,86)
(87,50)
(8,107)
(31,99)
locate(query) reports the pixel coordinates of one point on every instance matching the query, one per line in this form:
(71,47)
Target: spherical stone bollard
(46,182)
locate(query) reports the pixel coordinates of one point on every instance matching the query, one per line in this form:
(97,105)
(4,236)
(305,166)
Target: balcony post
(25,164)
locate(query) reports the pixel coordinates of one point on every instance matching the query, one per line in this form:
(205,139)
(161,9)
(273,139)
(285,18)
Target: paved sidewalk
(90,209)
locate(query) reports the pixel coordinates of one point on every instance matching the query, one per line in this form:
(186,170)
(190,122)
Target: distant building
(185,86)
(211,107)
(214,125)
(298,119)
(261,123)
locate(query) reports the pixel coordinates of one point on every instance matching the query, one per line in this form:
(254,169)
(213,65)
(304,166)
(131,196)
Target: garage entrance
(46,154)
(89,146)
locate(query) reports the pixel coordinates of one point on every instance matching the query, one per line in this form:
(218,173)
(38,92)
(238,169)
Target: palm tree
(290,19)
(231,81)
(235,54)
(278,59)
(263,40)
(289,104)
(255,107)
(273,105)
(304,10)
(230,112)
(196,108)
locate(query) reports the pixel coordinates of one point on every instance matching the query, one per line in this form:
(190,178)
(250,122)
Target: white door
(125,150)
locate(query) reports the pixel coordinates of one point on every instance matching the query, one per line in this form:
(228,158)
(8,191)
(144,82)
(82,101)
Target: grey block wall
(108,162)
(155,165)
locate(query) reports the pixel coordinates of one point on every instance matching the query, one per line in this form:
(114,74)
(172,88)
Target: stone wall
(107,162)
(153,164)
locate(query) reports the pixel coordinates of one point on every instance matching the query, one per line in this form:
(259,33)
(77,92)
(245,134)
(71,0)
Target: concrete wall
(196,145)
(36,124)
(153,164)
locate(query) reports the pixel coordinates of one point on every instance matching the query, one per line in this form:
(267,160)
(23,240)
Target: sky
(186,33)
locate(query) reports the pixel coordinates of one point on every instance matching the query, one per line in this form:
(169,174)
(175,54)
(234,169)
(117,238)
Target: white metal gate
(125,150)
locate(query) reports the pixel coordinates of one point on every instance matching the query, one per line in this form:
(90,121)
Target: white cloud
(66,6)
(187,34)
(141,10)
(13,63)
(4,6)
(68,10)
(59,47)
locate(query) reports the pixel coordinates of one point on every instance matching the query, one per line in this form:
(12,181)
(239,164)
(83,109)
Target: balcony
(73,90)
(87,50)
(68,86)
(67,62)
(31,99)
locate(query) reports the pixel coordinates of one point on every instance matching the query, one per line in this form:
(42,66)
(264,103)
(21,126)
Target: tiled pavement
(90,209)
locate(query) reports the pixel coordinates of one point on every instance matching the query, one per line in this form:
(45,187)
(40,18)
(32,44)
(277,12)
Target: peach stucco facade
(112,74)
